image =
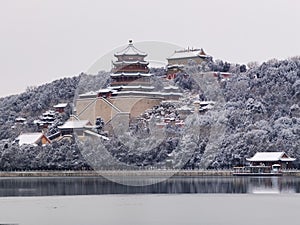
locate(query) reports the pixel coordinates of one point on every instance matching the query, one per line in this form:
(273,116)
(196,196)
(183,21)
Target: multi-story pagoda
(129,93)
(130,70)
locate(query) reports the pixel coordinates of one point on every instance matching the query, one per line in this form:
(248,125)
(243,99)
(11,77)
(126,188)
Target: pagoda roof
(130,50)
(130,62)
(131,74)
(189,53)
(133,87)
(160,94)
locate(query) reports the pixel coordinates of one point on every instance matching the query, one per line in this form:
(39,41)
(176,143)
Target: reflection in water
(99,185)
(273,185)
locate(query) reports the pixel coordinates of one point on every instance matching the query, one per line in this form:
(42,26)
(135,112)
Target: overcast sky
(42,40)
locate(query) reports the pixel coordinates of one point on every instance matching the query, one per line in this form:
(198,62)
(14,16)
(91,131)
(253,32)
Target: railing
(130,70)
(138,82)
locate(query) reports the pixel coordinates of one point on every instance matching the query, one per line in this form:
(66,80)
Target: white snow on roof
(20,119)
(133,87)
(131,74)
(150,93)
(207,102)
(175,66)
(130,62)
(76,124)
(130,50)
(49,113)
(269,156)
(207,107)
(171,87)
(184,108)
(96,135)
(61,105)
(190,53)
(105,90)
(91,93)
(29,138)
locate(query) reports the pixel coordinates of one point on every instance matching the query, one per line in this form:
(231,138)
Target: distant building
(181,58)
(32,139)
(130,71)
(74,126)
(271,158)
(46,119)
(20,120)
(130,92)
(60,107)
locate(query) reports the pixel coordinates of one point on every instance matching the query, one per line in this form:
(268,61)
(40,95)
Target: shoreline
(129,173)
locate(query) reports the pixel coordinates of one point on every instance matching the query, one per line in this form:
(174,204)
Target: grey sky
(42,40)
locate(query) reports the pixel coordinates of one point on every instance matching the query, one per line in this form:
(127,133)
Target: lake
(204,200)
(66,186)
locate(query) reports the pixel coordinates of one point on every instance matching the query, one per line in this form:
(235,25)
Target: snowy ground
(151,209)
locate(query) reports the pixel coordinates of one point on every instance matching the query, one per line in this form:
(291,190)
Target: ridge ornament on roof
(130,50)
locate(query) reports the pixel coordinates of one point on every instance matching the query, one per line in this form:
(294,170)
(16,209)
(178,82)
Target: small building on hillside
(270,159)
(60,107)
(46,119)
(74,126)
(20,120)
(32,139)
(181,58)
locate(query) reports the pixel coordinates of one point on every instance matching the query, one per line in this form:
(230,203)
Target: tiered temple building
(130,73)
(129,94)
(130,69)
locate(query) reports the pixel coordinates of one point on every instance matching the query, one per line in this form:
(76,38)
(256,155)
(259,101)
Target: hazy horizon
(46,40)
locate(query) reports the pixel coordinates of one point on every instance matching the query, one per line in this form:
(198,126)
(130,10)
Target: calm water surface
(174,185)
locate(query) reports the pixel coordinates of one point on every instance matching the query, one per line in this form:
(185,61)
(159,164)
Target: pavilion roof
(130,50)
(133,87)
(131,74)
(188,53)
(130,62)
(74,124)
(61,105)
(270,157)
(30,138)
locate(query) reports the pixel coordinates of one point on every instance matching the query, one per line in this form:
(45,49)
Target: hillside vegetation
(257,110)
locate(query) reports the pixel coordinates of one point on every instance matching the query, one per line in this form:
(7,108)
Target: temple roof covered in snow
(130,62)
(131,74)
(270,157)
(130,50)
(189,53)
(75,124)
(61,105)
(31,138)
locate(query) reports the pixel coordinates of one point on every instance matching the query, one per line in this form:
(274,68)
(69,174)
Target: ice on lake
(212,209)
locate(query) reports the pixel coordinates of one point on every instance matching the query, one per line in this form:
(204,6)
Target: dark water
(174,185)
